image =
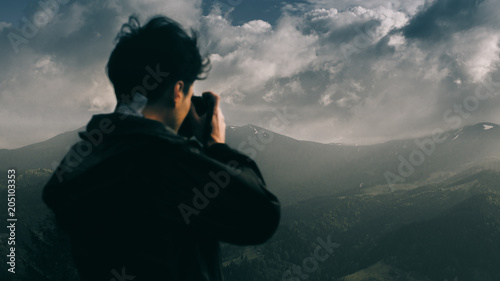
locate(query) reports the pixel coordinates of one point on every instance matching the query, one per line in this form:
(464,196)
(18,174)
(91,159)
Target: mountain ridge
(297,170)
(250,125)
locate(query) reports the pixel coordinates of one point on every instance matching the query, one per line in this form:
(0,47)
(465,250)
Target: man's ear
(178,91)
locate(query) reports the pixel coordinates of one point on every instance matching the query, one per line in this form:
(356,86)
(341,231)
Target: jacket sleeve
(220,192)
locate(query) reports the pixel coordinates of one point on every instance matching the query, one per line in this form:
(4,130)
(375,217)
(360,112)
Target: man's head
(155,60)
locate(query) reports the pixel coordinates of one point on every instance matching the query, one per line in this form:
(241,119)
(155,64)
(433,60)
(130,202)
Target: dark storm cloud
(443,18)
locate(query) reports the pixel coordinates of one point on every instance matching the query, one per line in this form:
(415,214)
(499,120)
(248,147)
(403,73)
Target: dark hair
(152,58)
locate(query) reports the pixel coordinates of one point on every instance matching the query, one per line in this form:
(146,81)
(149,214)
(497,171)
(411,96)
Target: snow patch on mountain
(254,129)
(487,127)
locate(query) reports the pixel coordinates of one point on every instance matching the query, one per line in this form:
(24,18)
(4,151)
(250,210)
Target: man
(141,202)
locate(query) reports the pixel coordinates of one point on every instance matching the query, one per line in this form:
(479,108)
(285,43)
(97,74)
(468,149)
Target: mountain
(461,240)
(44,154)
(441,222)
(297,170)
(443,231)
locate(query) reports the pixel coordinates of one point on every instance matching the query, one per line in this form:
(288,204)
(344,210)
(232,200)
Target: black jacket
(140,202)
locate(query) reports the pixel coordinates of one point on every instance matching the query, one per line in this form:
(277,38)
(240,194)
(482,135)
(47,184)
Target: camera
(203,105)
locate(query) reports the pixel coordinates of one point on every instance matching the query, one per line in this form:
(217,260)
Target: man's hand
(218,134)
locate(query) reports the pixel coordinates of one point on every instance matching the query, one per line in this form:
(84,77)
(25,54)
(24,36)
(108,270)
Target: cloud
(369,81)
(246,58)
(407,7)
(441,19)
(356,71)
(303,63)
(57,80)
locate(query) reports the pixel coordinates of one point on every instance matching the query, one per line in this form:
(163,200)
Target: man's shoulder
(112,135)
(115,127)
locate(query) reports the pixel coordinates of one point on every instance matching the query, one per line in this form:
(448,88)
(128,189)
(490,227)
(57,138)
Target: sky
(355,72)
